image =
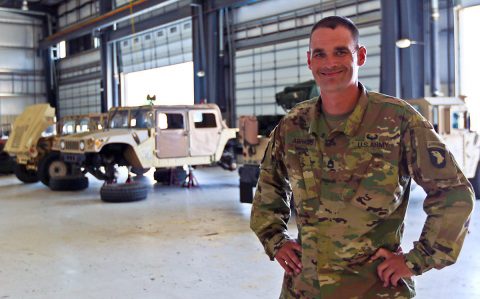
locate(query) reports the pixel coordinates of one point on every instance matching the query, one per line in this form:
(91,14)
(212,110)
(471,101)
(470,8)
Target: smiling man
(348,158)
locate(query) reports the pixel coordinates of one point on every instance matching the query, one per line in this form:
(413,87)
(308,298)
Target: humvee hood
(28,127)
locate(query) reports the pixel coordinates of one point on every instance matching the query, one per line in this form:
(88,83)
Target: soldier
(349,157)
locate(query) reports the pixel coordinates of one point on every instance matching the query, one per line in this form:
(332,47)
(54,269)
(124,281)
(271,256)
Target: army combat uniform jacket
(350,190)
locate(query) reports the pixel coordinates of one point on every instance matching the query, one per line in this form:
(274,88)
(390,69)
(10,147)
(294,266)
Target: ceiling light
(25,5)
(406,42)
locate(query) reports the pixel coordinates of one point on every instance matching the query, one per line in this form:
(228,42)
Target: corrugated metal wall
(78,75)
(79,83)
(262,71)
(22,75)
(74,11)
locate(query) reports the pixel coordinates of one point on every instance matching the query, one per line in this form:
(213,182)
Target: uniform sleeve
(271,203)
(449,201)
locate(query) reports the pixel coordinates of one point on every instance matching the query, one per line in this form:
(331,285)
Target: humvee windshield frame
(137,117)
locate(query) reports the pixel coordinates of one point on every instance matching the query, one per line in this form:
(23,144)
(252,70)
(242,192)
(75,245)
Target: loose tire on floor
(127,192)
(68,183)
(51,166)
(25,175)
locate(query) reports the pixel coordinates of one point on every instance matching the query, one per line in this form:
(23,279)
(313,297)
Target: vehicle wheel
(51,166)
(475,181)
(25,175)
(6,163)
(68,183)
(4,156)
(127,192)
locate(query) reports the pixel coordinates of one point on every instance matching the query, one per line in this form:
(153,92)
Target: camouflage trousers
(363,283)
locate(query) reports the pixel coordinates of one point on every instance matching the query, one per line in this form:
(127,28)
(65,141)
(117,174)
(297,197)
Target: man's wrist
(415,262)
(276,243)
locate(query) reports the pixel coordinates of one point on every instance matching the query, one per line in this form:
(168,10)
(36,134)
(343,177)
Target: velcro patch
(437,156)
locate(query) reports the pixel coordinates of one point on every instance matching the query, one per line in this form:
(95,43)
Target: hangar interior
(88,56)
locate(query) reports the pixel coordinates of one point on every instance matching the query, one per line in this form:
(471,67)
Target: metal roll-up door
(167,45)
(79,89)
(263,70)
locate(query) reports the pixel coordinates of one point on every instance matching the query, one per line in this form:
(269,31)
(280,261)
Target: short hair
(333,21)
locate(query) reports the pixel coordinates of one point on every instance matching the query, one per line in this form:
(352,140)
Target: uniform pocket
(379,191)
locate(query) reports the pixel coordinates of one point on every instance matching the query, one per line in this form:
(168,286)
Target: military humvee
(32,141)
(146,137)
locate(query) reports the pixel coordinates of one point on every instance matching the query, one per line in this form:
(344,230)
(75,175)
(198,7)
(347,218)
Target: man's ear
(308,60)
(361,55)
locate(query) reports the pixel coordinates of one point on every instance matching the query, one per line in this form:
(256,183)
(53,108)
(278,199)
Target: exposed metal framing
(103,21)
(157,21)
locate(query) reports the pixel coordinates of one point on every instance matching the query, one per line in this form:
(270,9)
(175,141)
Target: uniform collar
(318,124)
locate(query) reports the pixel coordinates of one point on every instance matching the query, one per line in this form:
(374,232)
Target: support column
(199,53)
(51,86)
(389,72)
(434,57)
(211,57)
(106,62)
(402,70)
(412,71)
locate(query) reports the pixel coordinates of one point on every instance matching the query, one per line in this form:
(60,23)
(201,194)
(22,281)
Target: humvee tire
(475,181)
(68,183)
(25,175)
(51,166)
(127,192)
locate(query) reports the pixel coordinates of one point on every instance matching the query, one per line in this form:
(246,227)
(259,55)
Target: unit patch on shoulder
(437,156)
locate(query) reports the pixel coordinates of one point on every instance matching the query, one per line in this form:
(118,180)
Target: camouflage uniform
(351,188)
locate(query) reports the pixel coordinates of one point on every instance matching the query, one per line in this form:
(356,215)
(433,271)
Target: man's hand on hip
(392,268)
(288,258)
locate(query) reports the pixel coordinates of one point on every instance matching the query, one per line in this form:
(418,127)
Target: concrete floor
(179,243)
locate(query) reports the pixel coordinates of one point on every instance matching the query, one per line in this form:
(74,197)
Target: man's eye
(340,53)
(318,54)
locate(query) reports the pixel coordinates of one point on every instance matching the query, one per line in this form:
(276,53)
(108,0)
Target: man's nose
(330,61)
